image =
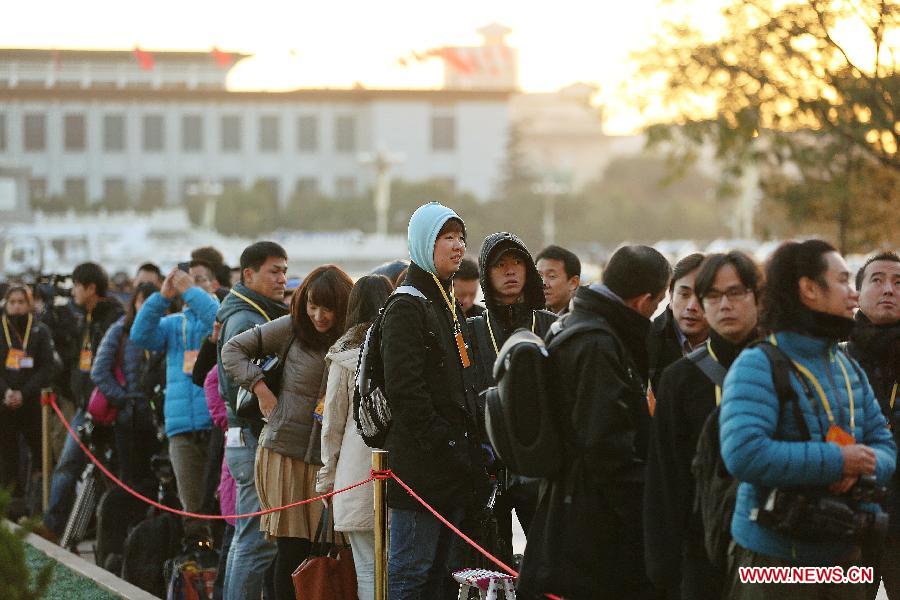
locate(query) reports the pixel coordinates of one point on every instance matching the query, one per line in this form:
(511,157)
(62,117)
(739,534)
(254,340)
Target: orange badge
(85,360)
(839,436)
(14,358)
(190,358)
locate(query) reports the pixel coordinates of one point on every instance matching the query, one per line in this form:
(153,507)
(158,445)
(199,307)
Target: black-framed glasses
(733,294)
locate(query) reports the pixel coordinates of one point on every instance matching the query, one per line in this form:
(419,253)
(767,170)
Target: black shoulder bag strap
(782,367)
(710,367)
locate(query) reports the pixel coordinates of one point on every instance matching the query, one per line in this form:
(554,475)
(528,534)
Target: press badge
(319,412)
(14,360)
(839,436)
(85,360)
(190,359)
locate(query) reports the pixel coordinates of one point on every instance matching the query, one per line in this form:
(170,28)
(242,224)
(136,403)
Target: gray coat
(292,430)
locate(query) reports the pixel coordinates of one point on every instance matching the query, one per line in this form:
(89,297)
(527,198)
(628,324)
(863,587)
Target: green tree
(791,90)
(16,580)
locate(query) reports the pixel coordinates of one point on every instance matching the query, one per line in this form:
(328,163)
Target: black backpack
(370,406)
(520,411)
(715,490)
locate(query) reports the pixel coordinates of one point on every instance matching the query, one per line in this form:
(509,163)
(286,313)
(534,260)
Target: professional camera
(815,515)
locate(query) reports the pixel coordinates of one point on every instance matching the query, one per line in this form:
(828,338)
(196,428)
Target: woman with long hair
(27,353)
(346,458)
(288,455)
(120,372)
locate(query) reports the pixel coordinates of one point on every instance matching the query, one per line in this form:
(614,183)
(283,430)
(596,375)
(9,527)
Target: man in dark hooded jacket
(514,298)
(586,538)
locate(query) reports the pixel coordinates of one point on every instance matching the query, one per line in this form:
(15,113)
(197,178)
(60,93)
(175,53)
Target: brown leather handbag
(328,572)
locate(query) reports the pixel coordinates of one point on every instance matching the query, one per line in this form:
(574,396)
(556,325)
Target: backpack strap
(410,291)
(782,367)
(710,367)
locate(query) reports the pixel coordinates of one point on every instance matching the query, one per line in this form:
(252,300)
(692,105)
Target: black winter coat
(673,534)
(105,313)
(663,347)
(29,381)
(586,538)
(433,439)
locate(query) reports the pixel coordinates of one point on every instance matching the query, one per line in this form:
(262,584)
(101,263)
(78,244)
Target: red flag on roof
(144,58)
(223,59)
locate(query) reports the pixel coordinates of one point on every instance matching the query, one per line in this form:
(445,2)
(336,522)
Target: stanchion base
(491,585)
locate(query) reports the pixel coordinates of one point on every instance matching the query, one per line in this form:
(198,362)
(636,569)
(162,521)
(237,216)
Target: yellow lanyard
(819,390)
(86,342)
(251,303)
(28,333)
(184,330)
(450,304)
(715,358)
(893,395)
(487,319)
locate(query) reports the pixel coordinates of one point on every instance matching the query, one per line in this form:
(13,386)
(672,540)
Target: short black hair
(255,255)
(633,271)
(151,267)
(781,305)
(222,274)
(570,261)
(88,273)
(747,271)
(887,255)
(202,263)
(208,254)
(468,270)
(685,266)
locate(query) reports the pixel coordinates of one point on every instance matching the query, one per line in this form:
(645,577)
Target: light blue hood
(424,226)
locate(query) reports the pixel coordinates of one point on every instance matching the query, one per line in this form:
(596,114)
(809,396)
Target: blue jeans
(423,552)
(250,554)
(71,463)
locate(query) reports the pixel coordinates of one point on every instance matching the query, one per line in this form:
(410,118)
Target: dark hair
(255,255)
(393,270)
(208,254)
(747,270)
(88,273)
(19,288)
(222,274)
(468,270)
(781,305)
(636,270)
(887,255)
(453,224)
(326,286)
(366,298)
(570,261)
(685,266)
(149,266)
(144,291)
(202,263)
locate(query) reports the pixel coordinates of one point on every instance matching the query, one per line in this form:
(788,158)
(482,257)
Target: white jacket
(347,459)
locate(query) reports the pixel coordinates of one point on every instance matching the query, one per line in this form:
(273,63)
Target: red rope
(455,530)
(52,402)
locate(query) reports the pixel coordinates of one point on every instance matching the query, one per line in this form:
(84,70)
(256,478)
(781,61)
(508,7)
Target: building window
(153,193)
(443,133)
(192,133)
(307,187)
(37,189)
(307,134)
(114,194)
(231,133)
(447,184)
(75,191)
(345,187)
(268,186)
(231,185)
(268,133)
(35,132)
(114,133)
(345,134)
(2,133)
(154,133)
(73,136)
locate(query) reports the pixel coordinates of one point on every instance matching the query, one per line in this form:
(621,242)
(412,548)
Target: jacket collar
(726,352)
(423,281)
(805,346)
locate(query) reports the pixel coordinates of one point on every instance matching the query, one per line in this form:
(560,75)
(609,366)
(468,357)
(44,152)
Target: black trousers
(25,420)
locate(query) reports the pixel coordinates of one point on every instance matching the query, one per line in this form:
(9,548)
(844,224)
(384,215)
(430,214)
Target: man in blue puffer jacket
(180,336)
(808,306)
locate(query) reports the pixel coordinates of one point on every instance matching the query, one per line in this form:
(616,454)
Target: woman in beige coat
(346,457)
(287,457)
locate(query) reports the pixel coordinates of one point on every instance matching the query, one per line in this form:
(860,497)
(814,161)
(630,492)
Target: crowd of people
(636,391)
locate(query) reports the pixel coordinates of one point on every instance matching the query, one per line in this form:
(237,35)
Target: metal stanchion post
(45,448)
(380,463)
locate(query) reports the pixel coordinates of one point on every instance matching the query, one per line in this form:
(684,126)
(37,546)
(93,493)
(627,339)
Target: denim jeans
(65,477)
(250,554)
(362,543)
(423,553)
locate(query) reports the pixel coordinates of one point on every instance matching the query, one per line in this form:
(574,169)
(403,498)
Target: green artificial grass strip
(66,584)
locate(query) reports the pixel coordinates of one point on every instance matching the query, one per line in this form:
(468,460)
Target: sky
(337,43)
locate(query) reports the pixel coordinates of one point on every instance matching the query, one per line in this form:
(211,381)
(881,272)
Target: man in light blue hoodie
(429,383)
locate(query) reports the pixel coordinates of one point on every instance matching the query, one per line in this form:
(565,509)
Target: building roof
(49,54)
(217,95)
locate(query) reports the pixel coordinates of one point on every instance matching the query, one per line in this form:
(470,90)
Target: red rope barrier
(139,496)
(455,530)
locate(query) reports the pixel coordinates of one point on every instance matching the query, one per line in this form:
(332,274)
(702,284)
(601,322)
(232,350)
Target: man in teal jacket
(187,419)
(808,306)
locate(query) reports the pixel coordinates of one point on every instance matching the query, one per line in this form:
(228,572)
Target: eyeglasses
(733,294)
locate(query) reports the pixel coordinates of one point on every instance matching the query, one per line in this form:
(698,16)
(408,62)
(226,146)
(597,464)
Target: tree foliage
(808,89)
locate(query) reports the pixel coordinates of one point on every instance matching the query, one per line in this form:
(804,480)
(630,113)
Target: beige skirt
(283,480)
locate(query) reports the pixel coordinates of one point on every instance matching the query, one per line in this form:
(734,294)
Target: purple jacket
(227,489)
